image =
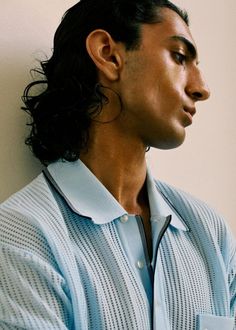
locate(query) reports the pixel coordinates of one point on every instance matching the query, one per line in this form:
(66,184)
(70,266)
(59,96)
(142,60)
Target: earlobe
(104,53)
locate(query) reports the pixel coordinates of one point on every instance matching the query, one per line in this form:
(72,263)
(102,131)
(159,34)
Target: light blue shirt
(94,201)
(72,258)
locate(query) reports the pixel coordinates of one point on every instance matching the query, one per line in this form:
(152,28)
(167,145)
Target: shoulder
(186,202)
(32,204)
(27,218)
(36,193)
(202,219)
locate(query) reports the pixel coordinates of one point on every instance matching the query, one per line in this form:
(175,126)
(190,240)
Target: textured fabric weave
(60,270)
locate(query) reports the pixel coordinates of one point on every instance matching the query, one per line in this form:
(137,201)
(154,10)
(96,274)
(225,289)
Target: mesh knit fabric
(58,270)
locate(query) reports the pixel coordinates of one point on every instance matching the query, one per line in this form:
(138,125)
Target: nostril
(197,95)
(198,91)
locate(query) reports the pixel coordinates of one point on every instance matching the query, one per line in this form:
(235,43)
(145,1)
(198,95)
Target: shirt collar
(84,192)
(87,196)
(161,207)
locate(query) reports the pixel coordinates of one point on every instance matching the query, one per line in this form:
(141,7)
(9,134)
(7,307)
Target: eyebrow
(188,44)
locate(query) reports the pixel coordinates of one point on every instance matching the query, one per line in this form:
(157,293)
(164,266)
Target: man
(94,242)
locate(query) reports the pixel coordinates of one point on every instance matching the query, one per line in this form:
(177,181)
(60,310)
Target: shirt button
(124,218)
(140,264)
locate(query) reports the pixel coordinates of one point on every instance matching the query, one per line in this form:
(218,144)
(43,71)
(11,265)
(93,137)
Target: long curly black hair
(61,113)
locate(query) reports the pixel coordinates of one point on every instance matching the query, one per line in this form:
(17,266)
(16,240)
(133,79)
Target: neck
(120,165)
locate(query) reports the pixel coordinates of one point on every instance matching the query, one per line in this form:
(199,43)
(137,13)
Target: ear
(105,53)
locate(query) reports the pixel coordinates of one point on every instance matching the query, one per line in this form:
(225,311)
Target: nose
(197,87)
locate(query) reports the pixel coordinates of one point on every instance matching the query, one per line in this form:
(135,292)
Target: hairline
(158,20)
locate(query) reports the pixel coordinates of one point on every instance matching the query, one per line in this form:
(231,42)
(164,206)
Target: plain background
(204,165)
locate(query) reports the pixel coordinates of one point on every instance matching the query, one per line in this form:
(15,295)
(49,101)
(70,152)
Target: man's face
(160,83)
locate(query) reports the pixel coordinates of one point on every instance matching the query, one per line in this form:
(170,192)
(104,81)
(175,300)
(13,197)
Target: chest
(116,277)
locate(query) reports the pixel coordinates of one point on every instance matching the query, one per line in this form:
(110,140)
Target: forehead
(171,25)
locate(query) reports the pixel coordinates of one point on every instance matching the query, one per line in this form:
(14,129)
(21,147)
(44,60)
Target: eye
(180,58)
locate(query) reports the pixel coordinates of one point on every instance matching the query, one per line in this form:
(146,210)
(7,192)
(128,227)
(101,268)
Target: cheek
(172,87)
(152,83)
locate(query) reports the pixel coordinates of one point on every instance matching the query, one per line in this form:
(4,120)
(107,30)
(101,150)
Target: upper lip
(191,110)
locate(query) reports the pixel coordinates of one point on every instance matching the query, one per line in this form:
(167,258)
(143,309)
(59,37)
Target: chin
(170,142)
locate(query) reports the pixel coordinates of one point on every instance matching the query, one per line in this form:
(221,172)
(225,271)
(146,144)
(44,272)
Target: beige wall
(204,165)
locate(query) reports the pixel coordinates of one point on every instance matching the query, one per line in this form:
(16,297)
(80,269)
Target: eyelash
(180,58)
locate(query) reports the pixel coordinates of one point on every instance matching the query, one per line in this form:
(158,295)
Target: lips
(190,110)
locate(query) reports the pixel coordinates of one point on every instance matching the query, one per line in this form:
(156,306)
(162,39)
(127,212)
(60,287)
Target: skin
(159,85)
